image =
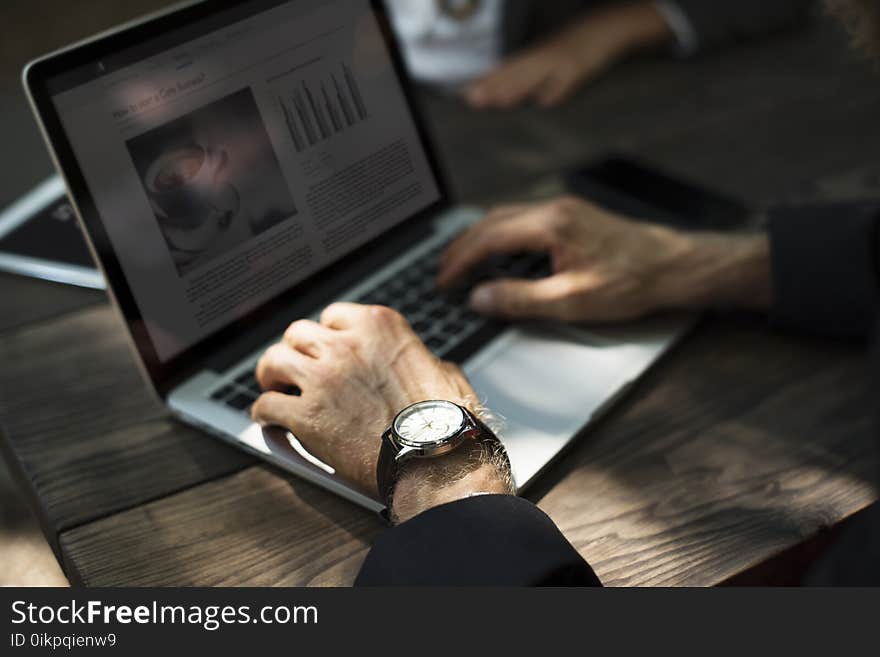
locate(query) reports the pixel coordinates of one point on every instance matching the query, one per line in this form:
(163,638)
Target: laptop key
(456,329)
(246,379)
(422,326)
(442,318)
(223,393)
(440,312)
(435,342)
(240,401)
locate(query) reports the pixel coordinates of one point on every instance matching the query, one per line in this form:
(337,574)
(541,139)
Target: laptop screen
(230,166)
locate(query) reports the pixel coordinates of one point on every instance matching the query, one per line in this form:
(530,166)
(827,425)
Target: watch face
(428,423)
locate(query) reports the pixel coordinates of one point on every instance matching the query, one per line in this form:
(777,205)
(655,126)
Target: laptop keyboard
(240,393)
(441,318)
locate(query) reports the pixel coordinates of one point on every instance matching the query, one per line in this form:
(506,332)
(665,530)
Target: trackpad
(544,384)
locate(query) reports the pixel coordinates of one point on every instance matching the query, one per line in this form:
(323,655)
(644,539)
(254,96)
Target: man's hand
(607,268)
(356,369)
(551,71)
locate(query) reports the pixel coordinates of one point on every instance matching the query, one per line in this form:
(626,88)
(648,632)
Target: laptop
(239,165)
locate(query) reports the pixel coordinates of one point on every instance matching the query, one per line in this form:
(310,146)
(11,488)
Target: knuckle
(386,315)
(494,214)
(562,215)
(332,309)
(564,207)
(260,371)
(296,328)
(344,343)
(273,354)
(264,363)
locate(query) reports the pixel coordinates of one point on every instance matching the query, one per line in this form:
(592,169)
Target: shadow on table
(25,557)
(747,446)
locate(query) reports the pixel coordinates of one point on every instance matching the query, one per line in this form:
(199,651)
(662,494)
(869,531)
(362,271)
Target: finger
(506,211)
(524,232)
(548,298)
(554,90)
(508,86)
(476,94)
(275,409)
(516,89)
(483,93)
(307,337)
(282,367)
(341,316)
(494,215)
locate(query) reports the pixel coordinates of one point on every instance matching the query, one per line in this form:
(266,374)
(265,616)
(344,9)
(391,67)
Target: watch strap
(388,467)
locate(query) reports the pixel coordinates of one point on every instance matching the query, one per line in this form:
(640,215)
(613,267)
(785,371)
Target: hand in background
(357,369)
(606,267)
(550,72)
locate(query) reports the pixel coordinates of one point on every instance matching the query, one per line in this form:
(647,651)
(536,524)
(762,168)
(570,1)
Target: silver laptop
(240,165)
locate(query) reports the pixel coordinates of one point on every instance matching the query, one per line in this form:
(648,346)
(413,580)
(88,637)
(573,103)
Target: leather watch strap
(386,470)
(388,467)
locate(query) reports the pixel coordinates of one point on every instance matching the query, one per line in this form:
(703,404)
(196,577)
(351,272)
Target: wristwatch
(426,429)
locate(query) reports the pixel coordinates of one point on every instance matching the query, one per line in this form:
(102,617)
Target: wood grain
(84,430)
(256,528)
(730,451)
(740,445)
(759,121)
(26,301)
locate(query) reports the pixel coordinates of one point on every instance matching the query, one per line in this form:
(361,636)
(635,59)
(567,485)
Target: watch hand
(418,433)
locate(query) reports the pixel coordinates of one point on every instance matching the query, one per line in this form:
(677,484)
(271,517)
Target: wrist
(620,30)
(426,483)
(714,270)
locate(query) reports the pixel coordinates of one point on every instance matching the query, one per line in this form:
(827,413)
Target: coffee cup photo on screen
(212,179)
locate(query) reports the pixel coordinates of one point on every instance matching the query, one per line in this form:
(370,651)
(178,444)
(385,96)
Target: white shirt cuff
(681,26)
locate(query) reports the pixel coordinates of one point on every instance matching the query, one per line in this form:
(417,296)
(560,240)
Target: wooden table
(737,448)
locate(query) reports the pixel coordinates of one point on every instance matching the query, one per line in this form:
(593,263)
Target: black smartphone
(644,193)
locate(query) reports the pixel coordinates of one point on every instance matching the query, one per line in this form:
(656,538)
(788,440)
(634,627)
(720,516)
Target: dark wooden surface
(91,437)
(740,445)
(731,450)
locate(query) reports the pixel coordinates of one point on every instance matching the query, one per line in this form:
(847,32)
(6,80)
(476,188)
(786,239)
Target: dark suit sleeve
(825,268)
(826,275)
(487,540)
(720,23)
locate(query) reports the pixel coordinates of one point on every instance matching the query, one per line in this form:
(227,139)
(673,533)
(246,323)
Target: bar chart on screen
(316,110)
